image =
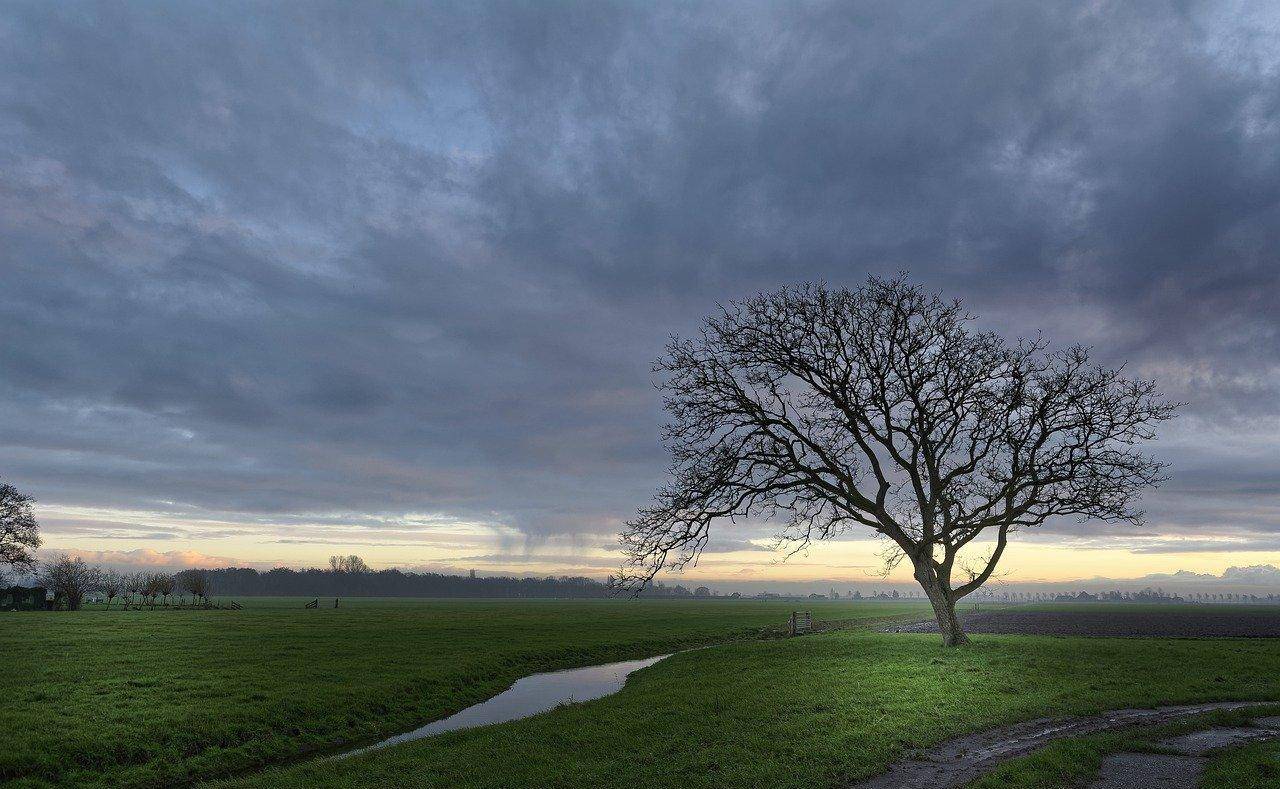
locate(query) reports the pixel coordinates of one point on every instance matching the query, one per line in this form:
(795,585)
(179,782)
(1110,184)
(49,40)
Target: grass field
(1253,767)
(818,711)
(162,697)
(149,698)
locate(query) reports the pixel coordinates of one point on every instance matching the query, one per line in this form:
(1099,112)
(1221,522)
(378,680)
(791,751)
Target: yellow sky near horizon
(440,545)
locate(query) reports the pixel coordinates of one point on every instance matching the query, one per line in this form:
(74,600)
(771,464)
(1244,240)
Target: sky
(279,281)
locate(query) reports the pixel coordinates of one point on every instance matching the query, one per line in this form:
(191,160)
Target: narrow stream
(528,696)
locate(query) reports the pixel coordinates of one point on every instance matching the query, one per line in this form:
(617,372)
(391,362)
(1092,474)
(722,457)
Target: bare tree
(19,533)
(111,583)
(71,578)
(151,587)
(881,407)
(135,584)
(164,583)
(195,581)
(348,564)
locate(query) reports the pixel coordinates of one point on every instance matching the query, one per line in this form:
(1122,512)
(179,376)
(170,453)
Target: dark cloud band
(268,260)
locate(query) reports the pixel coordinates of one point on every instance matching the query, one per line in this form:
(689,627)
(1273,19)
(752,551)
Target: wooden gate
(801,622)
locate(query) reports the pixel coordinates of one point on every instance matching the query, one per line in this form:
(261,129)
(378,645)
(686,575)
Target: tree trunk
(944,609)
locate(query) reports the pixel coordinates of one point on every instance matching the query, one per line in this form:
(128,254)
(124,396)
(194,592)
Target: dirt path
(956,762)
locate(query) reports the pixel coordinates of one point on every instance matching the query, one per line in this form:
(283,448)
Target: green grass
(1252,767)
(149,698)
(820,711)
(168,697)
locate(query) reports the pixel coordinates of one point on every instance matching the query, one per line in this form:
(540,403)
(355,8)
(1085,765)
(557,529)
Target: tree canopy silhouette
(19,532)
(883,407)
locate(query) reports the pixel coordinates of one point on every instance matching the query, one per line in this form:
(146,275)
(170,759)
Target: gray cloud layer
(325,258)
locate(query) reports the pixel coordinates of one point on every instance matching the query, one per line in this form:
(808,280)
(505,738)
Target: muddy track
(958,761)
(1187,757)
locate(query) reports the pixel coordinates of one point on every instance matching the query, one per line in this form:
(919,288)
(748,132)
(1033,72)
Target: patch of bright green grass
(160,697)
(826,710)
(1254,766)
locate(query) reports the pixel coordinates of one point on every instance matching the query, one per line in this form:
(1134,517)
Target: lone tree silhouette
(882,407)
(19,532)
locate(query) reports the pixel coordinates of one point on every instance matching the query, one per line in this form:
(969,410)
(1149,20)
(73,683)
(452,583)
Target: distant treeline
(397,583)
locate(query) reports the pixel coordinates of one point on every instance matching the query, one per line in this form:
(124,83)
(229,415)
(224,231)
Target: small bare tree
(881,407)
(195,581)
(348,564)
(164,586)
(111,583)
(71,579)
(19,533)
(135,584)
(151,587)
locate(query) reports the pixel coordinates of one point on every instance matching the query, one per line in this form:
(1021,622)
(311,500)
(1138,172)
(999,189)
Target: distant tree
(195,581)
(397,583)
(881,407)
(151,587)
(135,584)
(702,591)
(19,532)
(165,585)
(71,579)
(111,583)
(348,564)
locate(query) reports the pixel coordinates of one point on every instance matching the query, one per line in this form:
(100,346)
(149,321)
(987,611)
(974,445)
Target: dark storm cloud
(265,260)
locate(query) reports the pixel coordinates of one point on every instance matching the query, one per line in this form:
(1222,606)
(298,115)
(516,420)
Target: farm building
(23,598)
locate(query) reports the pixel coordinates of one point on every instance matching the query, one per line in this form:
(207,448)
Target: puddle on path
(1141,770)
(528,696)
(1203,743)
(1185,768)
(956,762)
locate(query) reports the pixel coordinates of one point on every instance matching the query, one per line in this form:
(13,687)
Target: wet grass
(1252,767)
(163,697)
(826,710)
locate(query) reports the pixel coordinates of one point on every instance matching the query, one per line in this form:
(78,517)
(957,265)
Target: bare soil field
(1103,622)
